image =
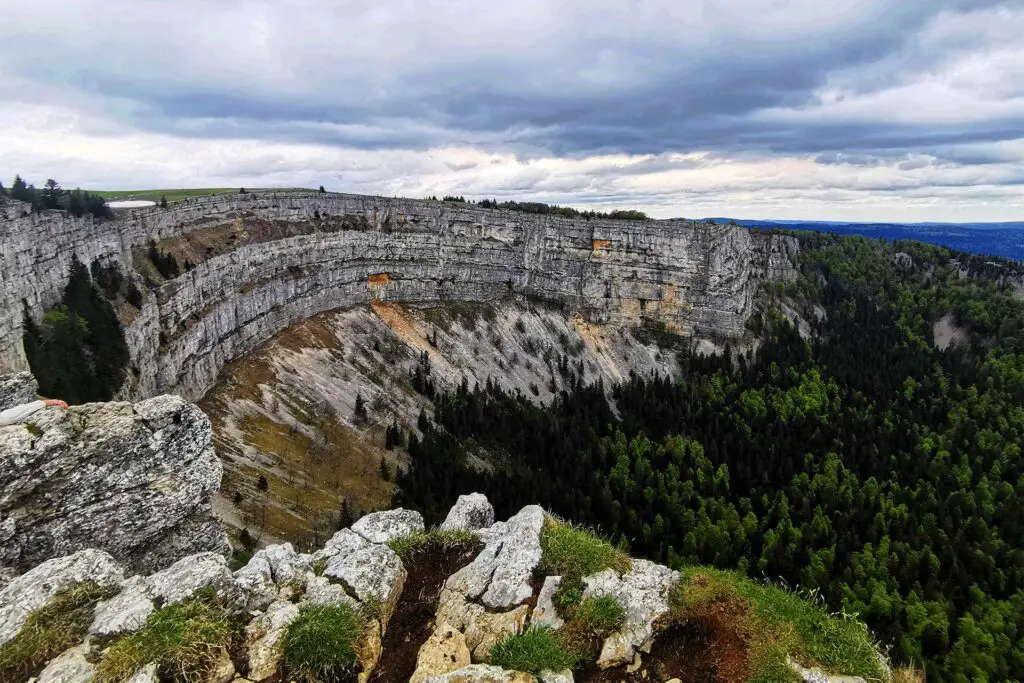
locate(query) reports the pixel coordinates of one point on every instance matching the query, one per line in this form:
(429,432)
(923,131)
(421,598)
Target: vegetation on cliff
(862,462)
(78,352)
(53,196)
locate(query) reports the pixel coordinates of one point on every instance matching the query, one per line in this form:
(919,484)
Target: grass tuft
(50,630)
(573,552)
(775,623)
(420,541)
(533,651)
(600,616)
(183,640)
(322,644)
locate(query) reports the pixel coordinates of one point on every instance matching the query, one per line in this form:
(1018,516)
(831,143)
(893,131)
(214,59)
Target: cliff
(265,260)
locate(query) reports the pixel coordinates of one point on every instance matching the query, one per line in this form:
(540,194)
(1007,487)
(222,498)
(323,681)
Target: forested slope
(859,460)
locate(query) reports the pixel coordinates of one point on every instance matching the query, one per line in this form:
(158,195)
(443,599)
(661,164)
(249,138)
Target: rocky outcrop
(132,480)
(17,389)
(470,512)
(286,257)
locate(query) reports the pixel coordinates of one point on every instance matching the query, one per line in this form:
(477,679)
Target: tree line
(52,196)
(548,209)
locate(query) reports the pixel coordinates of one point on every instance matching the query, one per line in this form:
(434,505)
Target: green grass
(572,552)
(322,644)
(175,195)
(777,622)
(408,546)
(60,624)
(183,640)
(533,651)
(599,616)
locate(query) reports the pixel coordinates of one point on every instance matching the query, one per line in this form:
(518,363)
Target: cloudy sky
(844,110)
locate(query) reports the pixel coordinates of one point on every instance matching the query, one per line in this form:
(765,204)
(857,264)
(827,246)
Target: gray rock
(255,582)
(263,638)
(69,667)
(643,592)
(372,573)
(500,575)
(286,565)
(320,591)
(116,477)
(482,628)
(381,527)
(548,676)
(146,674)
(189,575)
(471,511)
(345,542)
(32,590)
(17,389)
(544,613)
(808,675)
(126,612)
(483,673)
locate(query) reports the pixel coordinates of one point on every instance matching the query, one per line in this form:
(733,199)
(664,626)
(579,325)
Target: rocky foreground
(500,592)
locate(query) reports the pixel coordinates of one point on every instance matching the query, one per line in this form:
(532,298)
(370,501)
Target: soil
(413,621)
(709,648)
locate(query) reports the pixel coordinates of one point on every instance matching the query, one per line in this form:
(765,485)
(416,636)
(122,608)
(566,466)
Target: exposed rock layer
(301,254)
(131,480)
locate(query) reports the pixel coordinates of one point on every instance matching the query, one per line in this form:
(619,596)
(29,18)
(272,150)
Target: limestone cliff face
(133,480)
(329,251)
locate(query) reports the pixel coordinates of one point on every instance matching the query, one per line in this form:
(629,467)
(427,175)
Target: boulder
(286,565)
(643,592)
(544,613)
(381,527)
(72,666)
(255,583)
(126,612)
(32,590)
(548,676)
(262,639)
(372,573)
(500,575)
(444,651)
(482,628)
(471,512)
(320,591)
(482,673)
(146,674)
(132,480)
(808,675)
(189,575)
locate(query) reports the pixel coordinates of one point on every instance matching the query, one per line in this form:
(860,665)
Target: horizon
(865,111)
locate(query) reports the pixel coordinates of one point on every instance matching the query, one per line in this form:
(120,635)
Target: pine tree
(360,411)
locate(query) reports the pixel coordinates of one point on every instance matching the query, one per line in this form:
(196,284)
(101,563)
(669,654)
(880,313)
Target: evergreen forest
(855,459)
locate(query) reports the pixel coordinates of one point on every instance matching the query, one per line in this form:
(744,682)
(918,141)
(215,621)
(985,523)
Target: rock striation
(132,480)
(283,257)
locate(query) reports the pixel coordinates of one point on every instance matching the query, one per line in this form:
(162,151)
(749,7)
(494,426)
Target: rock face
(132,480)
(470,512)
(286,257)
(17,389)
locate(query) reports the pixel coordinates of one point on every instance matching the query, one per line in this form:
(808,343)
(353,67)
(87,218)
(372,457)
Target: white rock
(544,613)
(70,667)
(189,575)
(255,583)
(483,673)
(819,676)
(263,637)
(444,651)
(345,542)
(126,612)
(471,512)
(548,676)
(381,527)
(482,628)
(643,592)
(32,590)
(320,591)
(146,674)
(500,575)
(285,564)
(373,572)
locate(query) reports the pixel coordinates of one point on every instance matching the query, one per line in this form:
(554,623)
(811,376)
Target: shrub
(322,644)
(183,640)
(533,651)
(61,623)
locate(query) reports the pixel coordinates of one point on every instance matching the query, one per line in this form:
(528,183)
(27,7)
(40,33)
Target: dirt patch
(709,648)
(413,620)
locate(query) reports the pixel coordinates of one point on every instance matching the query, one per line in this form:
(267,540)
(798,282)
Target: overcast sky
(844,110)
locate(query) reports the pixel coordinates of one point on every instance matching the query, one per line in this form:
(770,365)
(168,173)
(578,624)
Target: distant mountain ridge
(1004,239)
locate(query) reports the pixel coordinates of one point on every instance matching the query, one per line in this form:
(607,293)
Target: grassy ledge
(573,552)
(776,623)
(536,650)
(422,541)
(183,640)
(322,644)
(60,624)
